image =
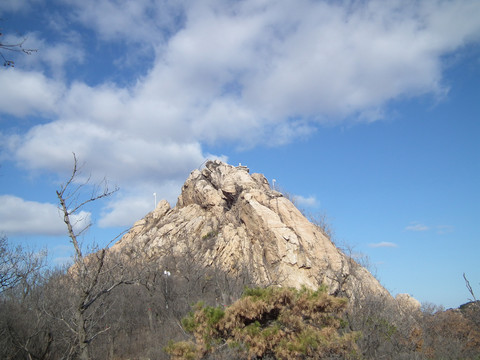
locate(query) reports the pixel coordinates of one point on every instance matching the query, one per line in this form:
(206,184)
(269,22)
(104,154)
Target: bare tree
(17,265)
(22,329)
(95,275)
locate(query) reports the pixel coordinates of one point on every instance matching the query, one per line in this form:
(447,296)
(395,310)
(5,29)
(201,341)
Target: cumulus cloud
(21,217)
(28,93)
(255,66)
(247,73)
(383,244)
(120,156)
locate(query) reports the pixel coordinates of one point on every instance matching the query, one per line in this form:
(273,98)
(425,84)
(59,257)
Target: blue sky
(365,111)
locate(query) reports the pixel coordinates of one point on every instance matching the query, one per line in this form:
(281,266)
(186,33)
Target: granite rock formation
(230,219)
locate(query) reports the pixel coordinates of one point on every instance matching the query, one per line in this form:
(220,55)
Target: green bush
(282,323)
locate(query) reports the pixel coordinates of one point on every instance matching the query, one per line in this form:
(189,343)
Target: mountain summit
(232,220)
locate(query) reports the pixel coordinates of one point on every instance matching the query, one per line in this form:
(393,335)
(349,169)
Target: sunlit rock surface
(230,219)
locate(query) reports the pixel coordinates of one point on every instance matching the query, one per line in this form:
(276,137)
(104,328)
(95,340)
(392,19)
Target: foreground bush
(277,323)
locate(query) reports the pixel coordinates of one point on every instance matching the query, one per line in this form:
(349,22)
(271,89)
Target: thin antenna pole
(155,200)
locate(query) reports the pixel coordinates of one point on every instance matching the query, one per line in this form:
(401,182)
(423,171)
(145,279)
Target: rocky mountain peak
(232,220)
(220,185)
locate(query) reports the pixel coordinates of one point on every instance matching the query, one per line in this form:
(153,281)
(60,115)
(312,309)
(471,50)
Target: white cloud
(264,66)
(131,21)
(28,93)
(56,56)
(121,212)
(246,73)
(134,204)
(383,244)
(305,201)
(19,216)
(122,157)
(417,227)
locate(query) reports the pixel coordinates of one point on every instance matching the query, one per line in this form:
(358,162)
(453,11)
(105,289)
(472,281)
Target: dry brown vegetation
(141,319)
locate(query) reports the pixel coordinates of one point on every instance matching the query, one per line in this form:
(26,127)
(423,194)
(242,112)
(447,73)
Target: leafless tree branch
(18,48)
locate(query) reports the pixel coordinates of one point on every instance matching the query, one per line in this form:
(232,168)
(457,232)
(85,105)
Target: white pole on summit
(273,183)
(154,201)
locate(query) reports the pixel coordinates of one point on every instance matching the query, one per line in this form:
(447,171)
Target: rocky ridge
(230,219)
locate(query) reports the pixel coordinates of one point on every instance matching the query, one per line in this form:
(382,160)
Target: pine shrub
(275,323)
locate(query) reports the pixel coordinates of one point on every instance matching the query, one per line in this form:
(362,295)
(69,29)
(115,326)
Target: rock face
(230,219)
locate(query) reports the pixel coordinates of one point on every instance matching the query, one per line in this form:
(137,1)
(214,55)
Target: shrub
(281,323)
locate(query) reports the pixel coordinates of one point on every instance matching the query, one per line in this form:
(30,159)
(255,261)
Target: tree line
(150,311)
